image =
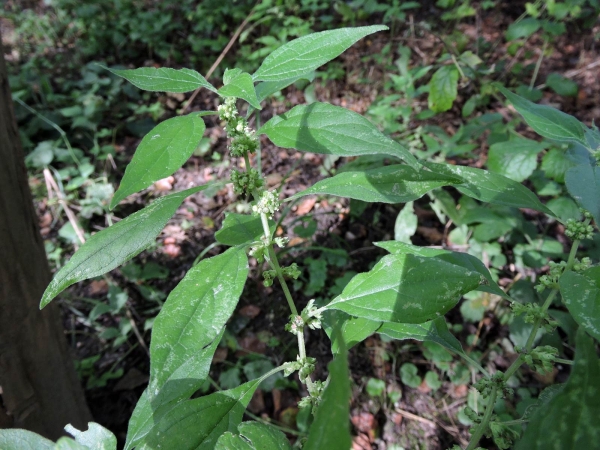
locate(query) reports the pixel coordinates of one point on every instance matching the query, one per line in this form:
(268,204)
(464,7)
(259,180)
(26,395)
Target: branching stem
(489,410)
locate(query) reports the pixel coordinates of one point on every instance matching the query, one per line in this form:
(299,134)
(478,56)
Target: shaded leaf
(562,85)
(307,53)
(406,223)
(570,419)
(161,152)
(391,184)
(331,130)
(581,294)
(546,121)
(266,88)
(352,330)
(522,28)
(515,159)
(96,437)
(164,79)
(399,289)
(116,244)
(23,440)
(583,183)
(239,229)
(491,187)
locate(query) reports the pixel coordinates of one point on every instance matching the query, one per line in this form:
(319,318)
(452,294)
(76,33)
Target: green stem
(284,286)
(482,427)
(538,65)
(273,424)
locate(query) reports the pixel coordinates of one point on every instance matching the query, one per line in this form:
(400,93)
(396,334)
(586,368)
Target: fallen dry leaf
(250,311)
(166,184)
(305,206)
(172,250)
(364,421)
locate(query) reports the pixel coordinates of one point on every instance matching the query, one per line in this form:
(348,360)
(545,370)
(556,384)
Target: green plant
(396,298)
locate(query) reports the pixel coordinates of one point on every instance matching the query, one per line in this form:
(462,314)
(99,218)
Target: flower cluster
(260,249)
(533,312)
(541,359)
(243,138)
(550,280)
(579,230)
(485,385)
(312,316)
(245,183)
(304,366)
(292,271)
(295,325)
(267,204)
(314,397)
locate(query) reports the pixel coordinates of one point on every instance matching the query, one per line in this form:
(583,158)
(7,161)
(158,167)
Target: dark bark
(40,390)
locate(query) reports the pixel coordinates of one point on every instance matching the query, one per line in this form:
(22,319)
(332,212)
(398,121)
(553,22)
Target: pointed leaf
(581,294)
(254,436)
(464,260)
(391,184)
(164,79)
(331,428)
(491,187)
(546,121)
(96,437)
(332,130)
(240,86)
(230,441)
(194,315)
(162,151)
(583,183)
(308,53)
(23,440)
(570,419)
(399,289)
(266,88)
(352,330)
(197,424)
(116,244)
(443,89)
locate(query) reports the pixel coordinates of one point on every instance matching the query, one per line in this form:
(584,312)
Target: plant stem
(273,424)
(482,427)
(284,286)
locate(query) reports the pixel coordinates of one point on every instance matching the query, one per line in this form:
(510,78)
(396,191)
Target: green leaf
(193,317)
(254,436)
(162,151)
(522,29)
(515,159)
(433,331)
(406,224)
(546,121)
(266,88)
(240,86)
(555,164)
(561,85)
(332,130)
(464,260)
(352,330)
(409,374)
(583,183)
(23,440)
(391,184)
(239,229)
(96,437)
(443,89)
(116,244)
(570,419)
(164,79)
(65,443)
(581,294)
(491,187)
(564,208)
(399,289)
(197,424)
(331,428)
(308,53)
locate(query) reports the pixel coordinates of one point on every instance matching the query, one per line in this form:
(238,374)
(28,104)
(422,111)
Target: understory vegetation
(354,224)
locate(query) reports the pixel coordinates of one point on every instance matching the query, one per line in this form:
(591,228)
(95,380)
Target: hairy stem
(482,427)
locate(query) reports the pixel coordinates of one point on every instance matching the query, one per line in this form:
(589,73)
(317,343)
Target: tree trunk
(39,389)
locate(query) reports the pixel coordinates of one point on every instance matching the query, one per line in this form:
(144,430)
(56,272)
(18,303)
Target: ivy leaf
(443,89)
(491,187)
(23,440)
(116,244)
(390,184)
(331,428)
(515,159)
(96,437)
(464,260)
(546,121)
(240,85)
(399,289)
(254,436)
(581,294)
(583,183)
(164,79)
(161,152)
(308,53)
(332,130)
(197,424)
(239,229)
(569,419)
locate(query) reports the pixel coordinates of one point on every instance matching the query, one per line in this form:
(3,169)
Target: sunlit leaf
(164,79)
(240,86)
(443,88)
(581,294)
